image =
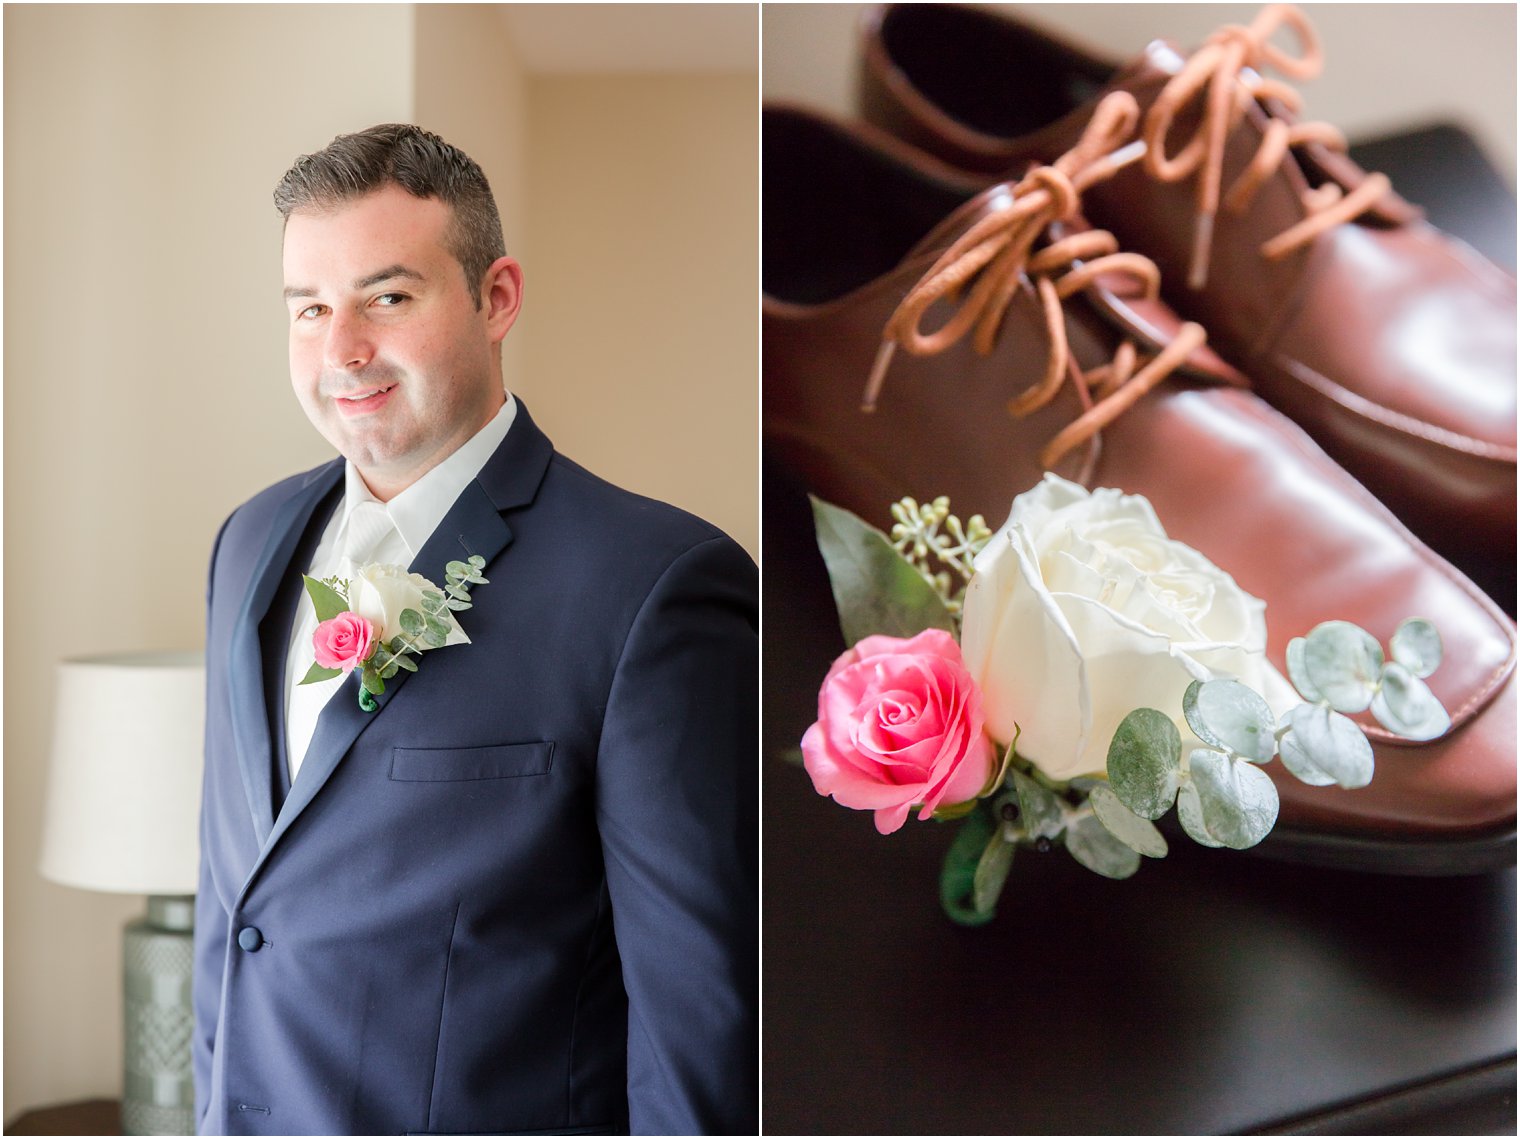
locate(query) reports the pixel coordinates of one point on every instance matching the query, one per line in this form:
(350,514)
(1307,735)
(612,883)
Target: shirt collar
(417,510)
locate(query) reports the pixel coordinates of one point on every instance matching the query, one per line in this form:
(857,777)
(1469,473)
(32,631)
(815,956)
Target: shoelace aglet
(1203,243)
(1111,164)
(878,375)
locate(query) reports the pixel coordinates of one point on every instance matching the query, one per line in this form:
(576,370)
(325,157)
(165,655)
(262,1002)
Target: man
(519,895)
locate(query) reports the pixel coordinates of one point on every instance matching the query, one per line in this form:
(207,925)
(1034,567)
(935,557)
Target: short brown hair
(422,164)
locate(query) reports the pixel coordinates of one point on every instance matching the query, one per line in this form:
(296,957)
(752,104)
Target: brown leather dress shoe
(861,234)
(1391,343)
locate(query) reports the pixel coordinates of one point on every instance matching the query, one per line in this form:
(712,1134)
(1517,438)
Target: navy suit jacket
(521,896)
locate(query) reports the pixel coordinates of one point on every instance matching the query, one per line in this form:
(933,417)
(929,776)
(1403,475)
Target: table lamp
(121,815)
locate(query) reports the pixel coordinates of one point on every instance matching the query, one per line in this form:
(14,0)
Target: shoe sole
(1422,858)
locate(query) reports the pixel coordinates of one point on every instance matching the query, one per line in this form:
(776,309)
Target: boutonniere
(374,621)
(1071,678)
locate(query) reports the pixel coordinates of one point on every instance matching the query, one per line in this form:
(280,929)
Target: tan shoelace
(999,248)
(1229,64)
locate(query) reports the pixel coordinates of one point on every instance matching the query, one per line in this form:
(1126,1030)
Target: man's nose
(348,346)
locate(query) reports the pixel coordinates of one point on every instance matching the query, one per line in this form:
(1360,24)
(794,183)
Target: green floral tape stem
(957,878)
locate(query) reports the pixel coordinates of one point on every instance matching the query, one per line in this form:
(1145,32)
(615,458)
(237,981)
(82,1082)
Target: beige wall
(470,87)
(146,390)
(643,358)
(1388,67)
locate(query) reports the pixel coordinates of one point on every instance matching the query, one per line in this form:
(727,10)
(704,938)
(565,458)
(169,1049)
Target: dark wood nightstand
(86,1117)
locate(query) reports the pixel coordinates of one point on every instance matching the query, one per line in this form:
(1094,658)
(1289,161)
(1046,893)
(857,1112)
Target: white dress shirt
(414,513)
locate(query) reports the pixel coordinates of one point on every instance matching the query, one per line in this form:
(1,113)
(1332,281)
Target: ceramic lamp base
(158,1096)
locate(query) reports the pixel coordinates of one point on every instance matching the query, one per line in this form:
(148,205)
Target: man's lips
(364,402)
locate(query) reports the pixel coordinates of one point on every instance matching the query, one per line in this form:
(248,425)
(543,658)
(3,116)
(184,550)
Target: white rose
(379,593)
(1082,610)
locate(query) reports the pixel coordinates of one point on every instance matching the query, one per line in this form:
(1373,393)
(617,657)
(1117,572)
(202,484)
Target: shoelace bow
(1230,64)
(996,254)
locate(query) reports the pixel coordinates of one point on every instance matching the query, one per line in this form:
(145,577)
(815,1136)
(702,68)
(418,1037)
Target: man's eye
(390,300)
(310,312)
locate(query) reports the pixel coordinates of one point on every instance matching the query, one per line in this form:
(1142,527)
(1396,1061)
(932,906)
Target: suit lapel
(255,645)
(473,525)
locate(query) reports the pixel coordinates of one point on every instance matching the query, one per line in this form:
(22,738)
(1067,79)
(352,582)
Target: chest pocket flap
(499,761)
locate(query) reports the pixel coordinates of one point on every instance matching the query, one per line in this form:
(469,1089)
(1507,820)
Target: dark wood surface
(87,1117)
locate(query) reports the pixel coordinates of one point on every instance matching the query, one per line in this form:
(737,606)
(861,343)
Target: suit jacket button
(250,938)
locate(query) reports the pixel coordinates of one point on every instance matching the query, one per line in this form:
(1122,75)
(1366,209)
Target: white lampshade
(124,787)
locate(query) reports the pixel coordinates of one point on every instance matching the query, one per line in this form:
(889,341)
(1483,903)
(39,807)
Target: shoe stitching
(1408,425)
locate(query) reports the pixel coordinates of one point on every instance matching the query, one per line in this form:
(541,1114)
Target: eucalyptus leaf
(1040,811)
(876,589)
(1143,761)
(476,579)
(1227,715)
(457,605)
(1344,662)
(957,877)
(372,682)
(406,662)
(1406,705)
(326,600)
(316,674)
(388,669)
(991,873)
(1236,799)
(1126,826)
(1091,844)
(456,569)
(1297,758)
(477,561)
(1298,674)
(1190,814)
(436,628)
(412,622)
(1323,747)
(1417,646)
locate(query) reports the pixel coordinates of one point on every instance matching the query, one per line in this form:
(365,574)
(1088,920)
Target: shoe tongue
(1149,321)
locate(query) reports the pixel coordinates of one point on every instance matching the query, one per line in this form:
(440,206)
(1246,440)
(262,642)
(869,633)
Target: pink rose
(343,642)
(899,723)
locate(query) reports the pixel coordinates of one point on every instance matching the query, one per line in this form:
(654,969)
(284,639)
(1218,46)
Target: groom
(519,896)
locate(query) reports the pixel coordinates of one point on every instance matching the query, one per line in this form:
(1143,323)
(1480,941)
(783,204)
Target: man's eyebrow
(387,274)
(390,272)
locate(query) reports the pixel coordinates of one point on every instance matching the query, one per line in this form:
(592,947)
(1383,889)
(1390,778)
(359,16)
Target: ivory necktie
(368,526)
(366,531)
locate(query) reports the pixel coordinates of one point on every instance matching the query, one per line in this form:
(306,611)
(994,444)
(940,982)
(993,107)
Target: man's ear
(502,293)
